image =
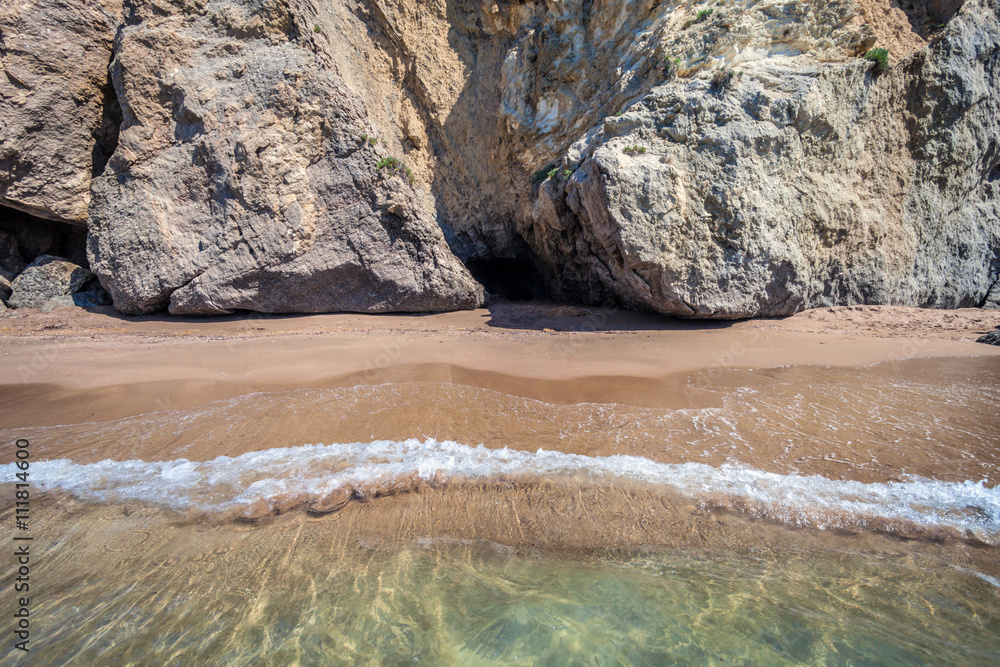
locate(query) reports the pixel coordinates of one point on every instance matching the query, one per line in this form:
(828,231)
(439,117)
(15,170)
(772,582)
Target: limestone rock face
(46,278)
(299,156)
(790,183)
(247,177)
(55,128)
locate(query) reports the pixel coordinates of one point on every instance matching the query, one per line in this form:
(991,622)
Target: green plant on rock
(671,67)
(703,15)
(543,173)
(881,59)
(567,173)
(316,28)
(723,79)
(390,166)
(633,150)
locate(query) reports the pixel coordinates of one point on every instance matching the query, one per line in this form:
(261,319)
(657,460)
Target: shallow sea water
(812,516)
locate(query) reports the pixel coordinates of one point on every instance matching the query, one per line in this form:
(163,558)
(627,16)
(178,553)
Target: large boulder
(992,338)
(248,176)
(56,121)
(780,183)
(46,278)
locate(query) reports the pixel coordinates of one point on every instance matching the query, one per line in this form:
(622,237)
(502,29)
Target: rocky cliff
(715,159)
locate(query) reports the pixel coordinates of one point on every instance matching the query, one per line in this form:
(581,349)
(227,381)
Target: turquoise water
(293,594)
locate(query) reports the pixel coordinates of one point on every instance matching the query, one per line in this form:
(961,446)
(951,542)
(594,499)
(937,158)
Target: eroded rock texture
(746,163)
(796,183)
(246,178)
(56,119)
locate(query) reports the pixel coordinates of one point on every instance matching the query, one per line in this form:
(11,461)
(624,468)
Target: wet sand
(72,365)
(89,386)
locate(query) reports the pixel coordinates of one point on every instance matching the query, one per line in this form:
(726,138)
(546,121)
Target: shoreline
(74,349)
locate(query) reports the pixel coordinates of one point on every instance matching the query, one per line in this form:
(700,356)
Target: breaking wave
(322,478)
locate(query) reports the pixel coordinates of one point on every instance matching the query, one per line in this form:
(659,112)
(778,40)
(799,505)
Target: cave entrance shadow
(928,17)
(549,316)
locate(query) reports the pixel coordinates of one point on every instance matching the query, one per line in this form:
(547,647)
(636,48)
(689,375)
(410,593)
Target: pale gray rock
(45,278)
(992,338)
(57,302)
(242,179)
(5,288)
(797,185)
(55,118)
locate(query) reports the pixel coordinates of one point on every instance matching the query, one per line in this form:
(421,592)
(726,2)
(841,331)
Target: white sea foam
(278,478)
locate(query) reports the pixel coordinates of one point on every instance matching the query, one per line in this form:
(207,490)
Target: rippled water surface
(803,516)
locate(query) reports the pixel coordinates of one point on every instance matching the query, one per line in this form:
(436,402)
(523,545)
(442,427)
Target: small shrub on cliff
(881,59)
(567,173)
(633,150)
(543,173)
(367,139)
(703,15)
(317,29)
(670,67)
(390,166)
(723,79)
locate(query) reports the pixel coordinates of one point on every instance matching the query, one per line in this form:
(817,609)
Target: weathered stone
(992,338)
(799,184)
(57,302)
(244,179)
(5,288)
(93,297)
(54,124)
(45,278)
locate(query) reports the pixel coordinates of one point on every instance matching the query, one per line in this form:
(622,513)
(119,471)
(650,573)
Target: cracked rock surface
(242,179)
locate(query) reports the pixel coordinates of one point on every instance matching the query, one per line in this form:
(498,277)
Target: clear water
(813,516)
(292,595)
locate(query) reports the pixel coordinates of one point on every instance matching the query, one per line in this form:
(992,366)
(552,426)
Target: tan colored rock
(245,179)
(54,123)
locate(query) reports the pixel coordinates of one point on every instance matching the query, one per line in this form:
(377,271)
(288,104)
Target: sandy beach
(58,366)
(551,445)
(77,367)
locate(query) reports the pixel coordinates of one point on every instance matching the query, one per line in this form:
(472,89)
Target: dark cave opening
(514,279)
(36,236)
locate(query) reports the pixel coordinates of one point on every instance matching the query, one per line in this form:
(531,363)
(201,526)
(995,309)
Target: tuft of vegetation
(367,139)
(633,150)
(543,173)
(316,28)
(670,67)
(619,114)
(703,15)
(881,59)
(567,173)
(390,166)
(723,79)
